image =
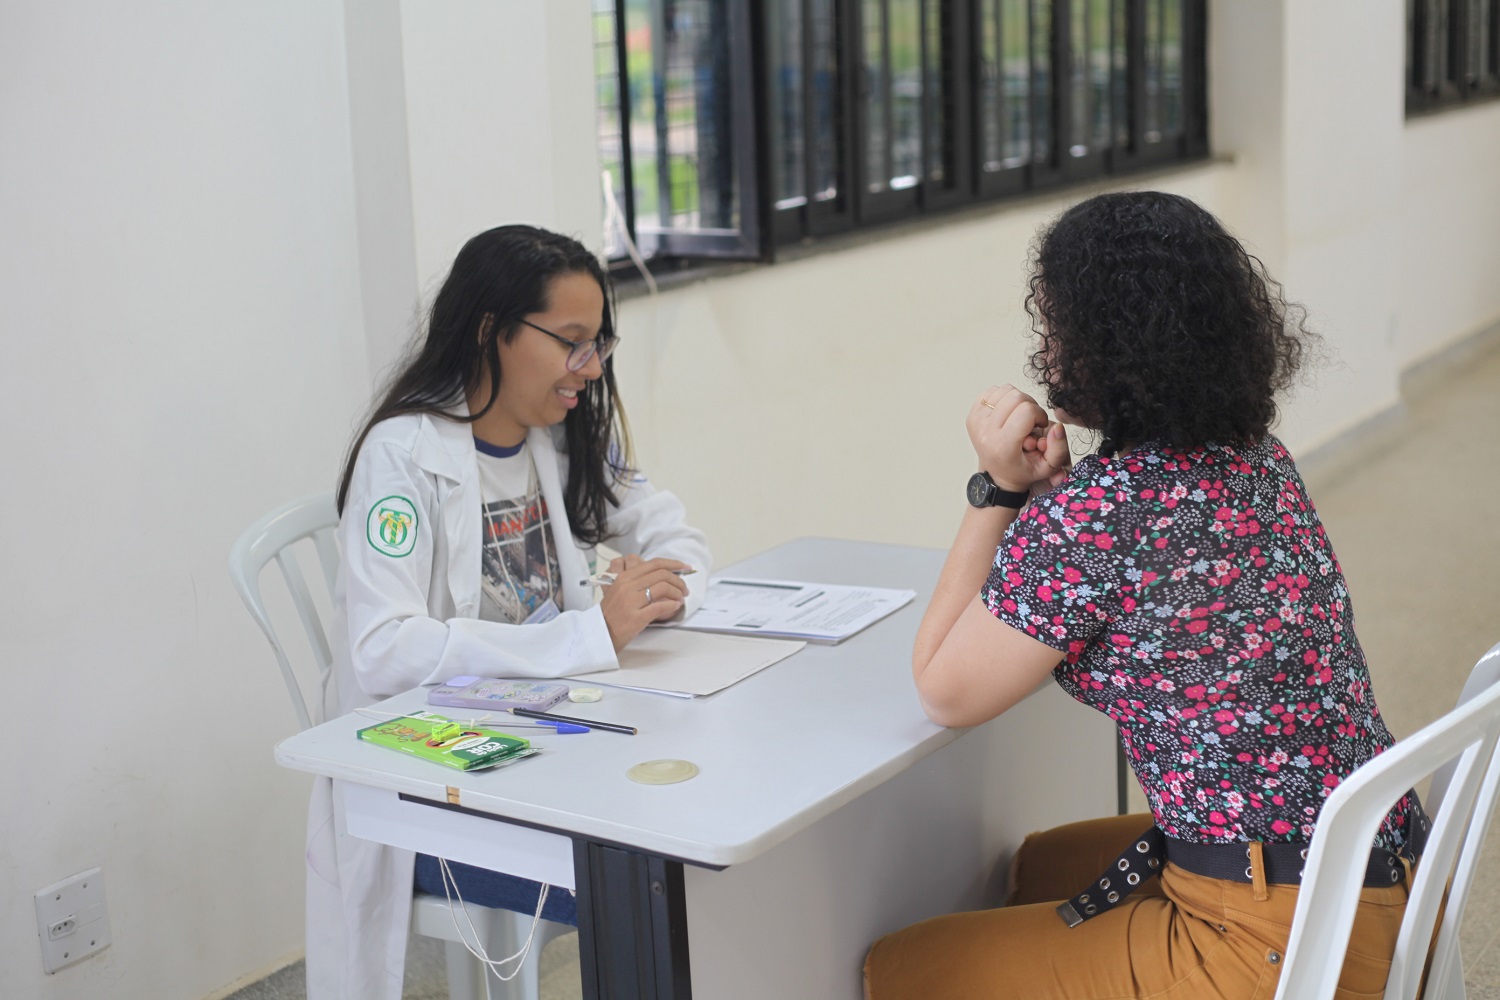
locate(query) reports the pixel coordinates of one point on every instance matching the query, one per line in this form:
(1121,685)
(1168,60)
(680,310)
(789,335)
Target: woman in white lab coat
(471,503)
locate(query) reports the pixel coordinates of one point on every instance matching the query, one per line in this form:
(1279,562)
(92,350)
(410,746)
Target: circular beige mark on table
(662,772)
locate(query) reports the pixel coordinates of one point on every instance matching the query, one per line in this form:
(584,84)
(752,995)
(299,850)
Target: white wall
(1449,244)
(467,115)
(500,119)
(388,272)
(215,224)
(183,351)
(1341,127)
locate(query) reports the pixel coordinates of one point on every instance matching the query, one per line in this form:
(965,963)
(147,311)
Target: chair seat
(497,891)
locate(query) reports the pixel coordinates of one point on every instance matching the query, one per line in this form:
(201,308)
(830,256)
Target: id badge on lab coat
(545,612)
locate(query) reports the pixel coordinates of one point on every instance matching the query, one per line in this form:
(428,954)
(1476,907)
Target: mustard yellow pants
(1179,936)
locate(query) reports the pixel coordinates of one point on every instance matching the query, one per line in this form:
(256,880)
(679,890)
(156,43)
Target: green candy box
(442,740)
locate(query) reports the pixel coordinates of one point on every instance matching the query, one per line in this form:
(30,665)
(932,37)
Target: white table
(828,809)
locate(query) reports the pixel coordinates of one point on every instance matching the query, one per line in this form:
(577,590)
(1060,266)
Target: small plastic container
(494,694)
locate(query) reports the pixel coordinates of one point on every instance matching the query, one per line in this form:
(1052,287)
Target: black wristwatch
(983,492)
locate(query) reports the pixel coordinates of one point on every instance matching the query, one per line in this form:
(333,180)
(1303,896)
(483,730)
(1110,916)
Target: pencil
(613,727)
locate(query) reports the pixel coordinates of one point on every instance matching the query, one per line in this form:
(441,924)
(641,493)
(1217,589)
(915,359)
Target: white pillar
(466,115)
(1309,100)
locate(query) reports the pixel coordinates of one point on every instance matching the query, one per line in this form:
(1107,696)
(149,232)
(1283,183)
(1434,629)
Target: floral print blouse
(1198,603)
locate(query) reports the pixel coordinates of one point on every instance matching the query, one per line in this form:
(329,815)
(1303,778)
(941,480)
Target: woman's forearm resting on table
(964,572)
(969,666)
(981,669)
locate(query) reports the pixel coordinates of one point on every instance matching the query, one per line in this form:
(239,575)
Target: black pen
(613,727)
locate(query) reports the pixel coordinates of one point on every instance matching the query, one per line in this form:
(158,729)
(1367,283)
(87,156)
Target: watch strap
(1013,499)
(994,496)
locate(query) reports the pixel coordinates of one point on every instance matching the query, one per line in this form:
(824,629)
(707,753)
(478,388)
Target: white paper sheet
(790,609)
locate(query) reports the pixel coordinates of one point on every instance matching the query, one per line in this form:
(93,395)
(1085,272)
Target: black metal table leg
(632,924)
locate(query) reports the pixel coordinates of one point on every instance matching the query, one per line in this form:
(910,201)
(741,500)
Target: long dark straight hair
(497,278)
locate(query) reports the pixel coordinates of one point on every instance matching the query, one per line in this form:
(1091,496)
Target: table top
(776,752)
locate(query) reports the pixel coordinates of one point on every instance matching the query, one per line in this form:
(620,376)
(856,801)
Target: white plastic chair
(274,536)
(1459,750)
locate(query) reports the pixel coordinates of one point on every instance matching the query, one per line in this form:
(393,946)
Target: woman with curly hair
(1181,582)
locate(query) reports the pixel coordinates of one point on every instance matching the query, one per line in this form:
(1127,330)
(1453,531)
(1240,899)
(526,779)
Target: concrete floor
(1413,509)
(426,977)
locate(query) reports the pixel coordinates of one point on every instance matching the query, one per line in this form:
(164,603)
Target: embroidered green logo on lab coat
(392,526)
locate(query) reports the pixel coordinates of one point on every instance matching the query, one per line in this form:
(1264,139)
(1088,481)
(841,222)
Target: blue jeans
(497,891)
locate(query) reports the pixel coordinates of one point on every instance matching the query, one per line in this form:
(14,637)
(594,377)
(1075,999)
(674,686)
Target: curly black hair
(1155,324)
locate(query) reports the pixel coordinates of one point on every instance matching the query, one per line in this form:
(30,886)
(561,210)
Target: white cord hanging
(450,890)
(614,220)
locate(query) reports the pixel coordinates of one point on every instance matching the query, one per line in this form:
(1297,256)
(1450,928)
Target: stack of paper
(816,612)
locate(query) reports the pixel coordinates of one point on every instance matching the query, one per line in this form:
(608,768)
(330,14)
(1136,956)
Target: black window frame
(950,32)
(1441,39)
(813,218)
(677,248)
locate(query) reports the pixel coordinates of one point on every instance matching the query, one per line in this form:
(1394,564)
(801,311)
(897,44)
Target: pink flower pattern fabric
(1198,603)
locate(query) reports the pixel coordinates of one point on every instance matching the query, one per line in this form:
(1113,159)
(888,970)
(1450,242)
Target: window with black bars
(823,116)
(1452,53)
(676,128)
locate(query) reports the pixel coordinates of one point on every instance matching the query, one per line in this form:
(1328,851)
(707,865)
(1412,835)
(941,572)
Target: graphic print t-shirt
(519,560)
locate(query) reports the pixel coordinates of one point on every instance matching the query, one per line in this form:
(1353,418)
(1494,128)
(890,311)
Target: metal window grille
(728,134)
(1452,53)
(677,127)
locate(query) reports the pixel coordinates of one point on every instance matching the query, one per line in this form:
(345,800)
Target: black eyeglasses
(579,351)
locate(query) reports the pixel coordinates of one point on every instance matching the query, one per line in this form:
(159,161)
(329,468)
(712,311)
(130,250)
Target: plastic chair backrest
(272,537)
(1445,952)
(1465,738)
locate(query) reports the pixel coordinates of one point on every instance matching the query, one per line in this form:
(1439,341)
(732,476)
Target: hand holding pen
(640,592)
(607,577)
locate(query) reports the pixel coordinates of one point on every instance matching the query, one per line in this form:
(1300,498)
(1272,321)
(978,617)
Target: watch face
(979,490)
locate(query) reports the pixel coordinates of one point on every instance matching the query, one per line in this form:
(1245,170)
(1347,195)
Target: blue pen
(564,727)
(561,727)
(549,719)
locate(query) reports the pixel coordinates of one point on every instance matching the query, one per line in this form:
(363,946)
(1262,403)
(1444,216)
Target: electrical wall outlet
(71,919)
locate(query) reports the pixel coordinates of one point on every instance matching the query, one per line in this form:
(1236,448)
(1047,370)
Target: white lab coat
(413,619)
